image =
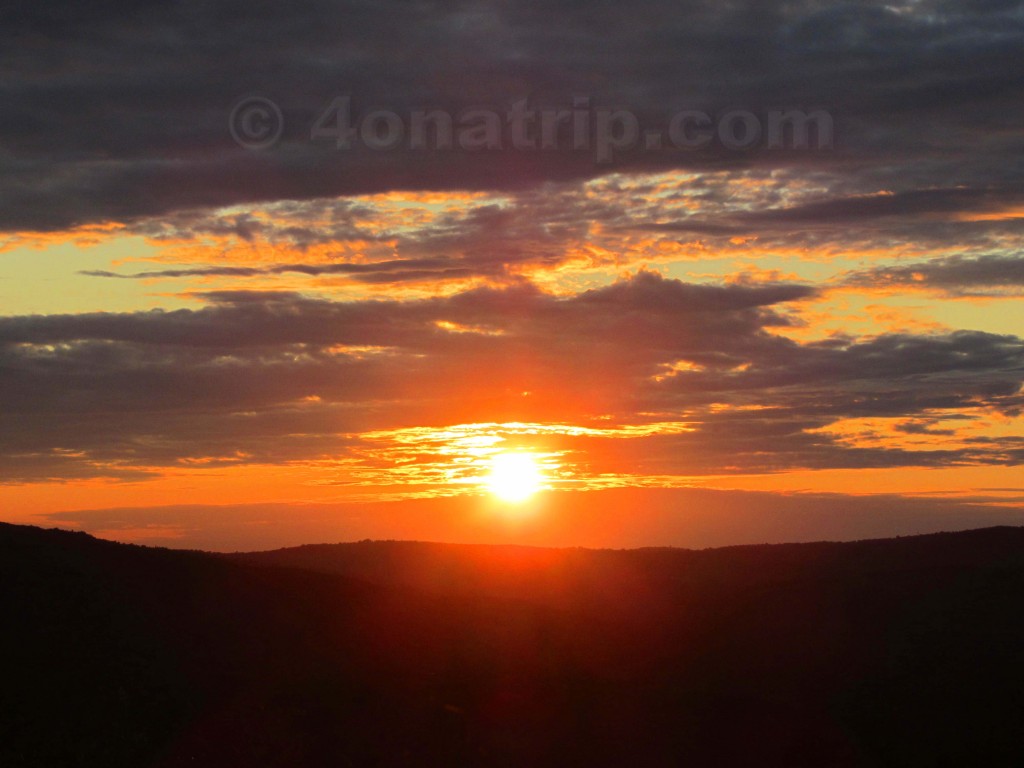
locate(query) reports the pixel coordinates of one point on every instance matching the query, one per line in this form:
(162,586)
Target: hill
(896,652)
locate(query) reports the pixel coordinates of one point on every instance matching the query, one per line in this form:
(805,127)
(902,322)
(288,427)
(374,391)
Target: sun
(514,477)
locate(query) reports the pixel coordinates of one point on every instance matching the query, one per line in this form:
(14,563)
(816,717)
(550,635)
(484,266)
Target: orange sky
(384,349)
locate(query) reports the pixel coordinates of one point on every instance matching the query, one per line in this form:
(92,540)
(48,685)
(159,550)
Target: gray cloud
(265,377)
(394,271)
(956,276)
(118,113)
(607,222)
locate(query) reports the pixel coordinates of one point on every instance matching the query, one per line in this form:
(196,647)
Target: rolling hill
(898,652)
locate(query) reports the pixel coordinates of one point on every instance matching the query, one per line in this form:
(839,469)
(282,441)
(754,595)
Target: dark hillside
(899,652)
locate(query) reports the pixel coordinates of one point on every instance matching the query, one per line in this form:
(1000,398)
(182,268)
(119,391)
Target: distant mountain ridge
(899,652)
(520,569)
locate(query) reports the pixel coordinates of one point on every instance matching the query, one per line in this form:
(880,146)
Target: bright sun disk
(514,477)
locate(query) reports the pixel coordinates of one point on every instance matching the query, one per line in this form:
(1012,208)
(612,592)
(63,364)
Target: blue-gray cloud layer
(115,111)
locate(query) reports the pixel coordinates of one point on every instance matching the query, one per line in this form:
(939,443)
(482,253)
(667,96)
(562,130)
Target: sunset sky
(204,344)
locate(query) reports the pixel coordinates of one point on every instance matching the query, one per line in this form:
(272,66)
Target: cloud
(432,242)
(395,271)
(263,377)
(993,276)
(121,114)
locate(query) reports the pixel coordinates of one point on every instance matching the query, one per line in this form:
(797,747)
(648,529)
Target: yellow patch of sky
(42,277)
(858,313)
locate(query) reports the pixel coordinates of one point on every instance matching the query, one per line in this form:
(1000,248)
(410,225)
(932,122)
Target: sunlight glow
(514,477)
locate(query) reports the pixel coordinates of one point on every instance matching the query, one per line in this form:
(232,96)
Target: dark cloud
(275,377)
(907,203)
(956,276)
(969,219)
(605,222)
(116,112)
(394,271)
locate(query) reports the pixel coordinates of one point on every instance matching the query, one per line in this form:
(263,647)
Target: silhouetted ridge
(897,652)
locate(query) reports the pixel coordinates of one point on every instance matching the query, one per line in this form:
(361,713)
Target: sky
(725,272)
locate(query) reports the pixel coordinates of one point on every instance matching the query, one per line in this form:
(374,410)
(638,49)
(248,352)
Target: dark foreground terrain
(906,652)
